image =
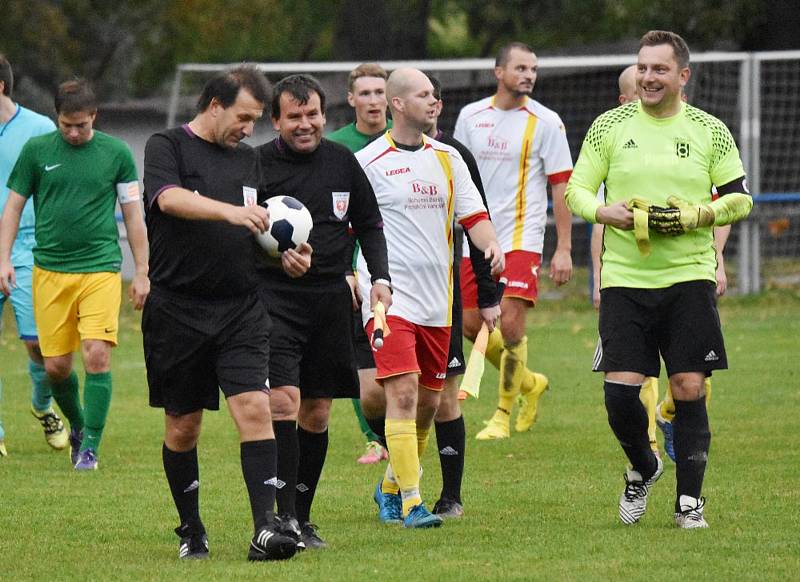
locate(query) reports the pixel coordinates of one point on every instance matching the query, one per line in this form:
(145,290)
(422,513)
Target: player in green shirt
(367,96)
(658,264)
(76,175)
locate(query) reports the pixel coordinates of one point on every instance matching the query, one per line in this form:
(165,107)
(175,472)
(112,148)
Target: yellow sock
(389,483)
(649,397)
(512,367)
(708,392)
(422,440)
(401,439)
(494,347)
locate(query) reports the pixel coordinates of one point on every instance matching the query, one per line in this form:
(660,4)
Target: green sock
(66,395)
(362,422)
(42,395)
(97,400)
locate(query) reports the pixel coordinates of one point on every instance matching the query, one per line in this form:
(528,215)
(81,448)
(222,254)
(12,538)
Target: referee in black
(204,326)
(311,353)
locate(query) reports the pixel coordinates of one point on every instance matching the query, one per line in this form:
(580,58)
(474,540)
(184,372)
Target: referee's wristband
(384,282)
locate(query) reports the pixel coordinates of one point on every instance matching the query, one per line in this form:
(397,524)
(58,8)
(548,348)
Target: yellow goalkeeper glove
(680,217)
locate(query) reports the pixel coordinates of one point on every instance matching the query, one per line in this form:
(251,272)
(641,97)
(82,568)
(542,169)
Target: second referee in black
(311,353)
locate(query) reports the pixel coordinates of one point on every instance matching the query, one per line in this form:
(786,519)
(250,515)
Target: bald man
(660,414)
(421,185)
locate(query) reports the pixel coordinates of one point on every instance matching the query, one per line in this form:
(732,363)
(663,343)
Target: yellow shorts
(72,307)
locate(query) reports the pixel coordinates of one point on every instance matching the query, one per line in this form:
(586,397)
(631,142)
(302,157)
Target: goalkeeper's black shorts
(680,323)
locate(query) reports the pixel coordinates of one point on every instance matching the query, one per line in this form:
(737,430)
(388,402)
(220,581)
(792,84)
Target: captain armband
(128,192)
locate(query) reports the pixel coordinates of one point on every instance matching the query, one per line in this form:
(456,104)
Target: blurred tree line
(129,48)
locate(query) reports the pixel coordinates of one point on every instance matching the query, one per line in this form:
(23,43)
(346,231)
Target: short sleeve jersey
(419,194)
(518,151)
(351,138)
(208,259)
(14,134)
(637,155)
(74,191)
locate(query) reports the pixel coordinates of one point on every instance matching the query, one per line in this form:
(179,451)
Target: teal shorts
(22,301)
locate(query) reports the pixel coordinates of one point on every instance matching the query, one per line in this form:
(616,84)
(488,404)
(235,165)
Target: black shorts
(195,347)
(311,345)
(363,351)
(680,323)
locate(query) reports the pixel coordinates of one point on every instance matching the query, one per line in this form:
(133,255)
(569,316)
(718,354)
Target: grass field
(541,505)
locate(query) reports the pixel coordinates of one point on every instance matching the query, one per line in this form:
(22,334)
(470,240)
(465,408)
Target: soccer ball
(289,225)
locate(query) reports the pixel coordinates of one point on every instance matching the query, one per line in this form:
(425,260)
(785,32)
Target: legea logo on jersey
(423,187)
(682,149)
(396,171)
(497,143)
(484,125)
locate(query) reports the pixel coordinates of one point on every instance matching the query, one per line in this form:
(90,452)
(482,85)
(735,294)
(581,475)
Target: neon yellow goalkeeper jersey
(637,155)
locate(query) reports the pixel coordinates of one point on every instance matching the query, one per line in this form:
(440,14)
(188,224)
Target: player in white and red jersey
(421,185)
(521,147)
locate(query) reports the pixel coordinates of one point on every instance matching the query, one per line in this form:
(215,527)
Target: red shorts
(521,278)
(412,348)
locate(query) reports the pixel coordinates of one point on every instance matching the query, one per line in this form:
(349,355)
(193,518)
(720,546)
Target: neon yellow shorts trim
(72,307)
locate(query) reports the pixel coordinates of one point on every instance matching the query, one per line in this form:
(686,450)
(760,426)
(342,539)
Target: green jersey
(75,193)
(353,139)
(637,155)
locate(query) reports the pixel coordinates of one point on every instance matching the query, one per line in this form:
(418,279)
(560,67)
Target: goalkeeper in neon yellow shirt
(659,159)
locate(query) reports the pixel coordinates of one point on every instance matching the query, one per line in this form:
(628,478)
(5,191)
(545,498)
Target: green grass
(540,505)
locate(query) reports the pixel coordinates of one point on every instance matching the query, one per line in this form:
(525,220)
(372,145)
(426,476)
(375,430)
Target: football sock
(401,436)
(97,400)
(708,392)
(451,437)
(692,441)
(183,476)
(494,349)
(366,429)
(287,446)
(389,483)
(42,395)
(649,397)
(422,440)
(259,466)
(66,395)
(378,426)
(512,368)
(628,420)
(313,449)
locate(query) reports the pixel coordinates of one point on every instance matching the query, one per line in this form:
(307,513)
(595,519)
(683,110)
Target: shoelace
(694,513)
(634,490)
(50,423)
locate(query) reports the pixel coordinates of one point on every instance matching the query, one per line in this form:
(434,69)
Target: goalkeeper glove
(680,217)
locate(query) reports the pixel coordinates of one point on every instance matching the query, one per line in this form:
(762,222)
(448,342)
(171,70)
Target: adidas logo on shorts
(454,363)
(712,356)
(449,452)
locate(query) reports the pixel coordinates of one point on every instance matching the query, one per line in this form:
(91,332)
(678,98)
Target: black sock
(313,450)
(258,468)
(378,426)
(286,439)
(451,440)
(627,417)
(183,476)
(692,441)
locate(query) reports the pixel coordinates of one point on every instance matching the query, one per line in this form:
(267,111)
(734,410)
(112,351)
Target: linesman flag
(471,382)
(380,327)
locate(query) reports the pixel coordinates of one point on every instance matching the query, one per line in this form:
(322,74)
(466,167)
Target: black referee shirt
(201,258)
(334,188)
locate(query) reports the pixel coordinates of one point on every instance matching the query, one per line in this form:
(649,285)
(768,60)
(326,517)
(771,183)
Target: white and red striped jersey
(518,151)
(419,194)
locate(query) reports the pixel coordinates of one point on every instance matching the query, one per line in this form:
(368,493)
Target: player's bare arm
(721,234)
(9,225)
(561,262)
(617,215)
(296,262)
(137,239)
(193,206)
(483,235)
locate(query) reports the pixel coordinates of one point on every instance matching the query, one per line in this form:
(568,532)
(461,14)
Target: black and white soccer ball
(289,225)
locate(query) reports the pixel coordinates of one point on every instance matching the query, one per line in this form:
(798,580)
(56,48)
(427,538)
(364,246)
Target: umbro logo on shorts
(273,481)
(449,452)
(712,356)
(454,363)
(302,487)
(630,145)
